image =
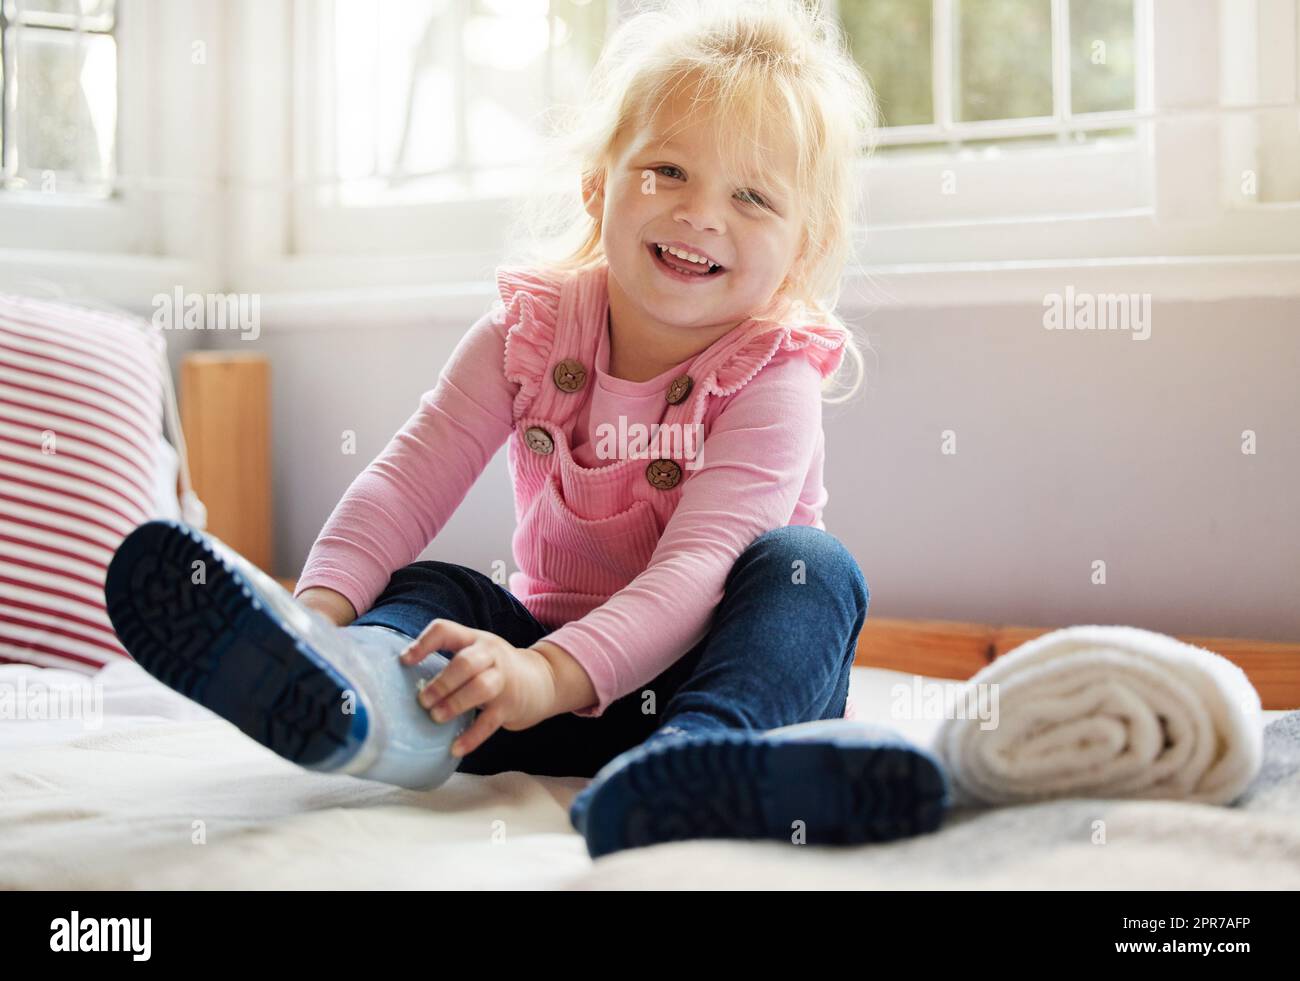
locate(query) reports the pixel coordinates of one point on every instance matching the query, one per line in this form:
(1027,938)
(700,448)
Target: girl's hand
(513,687)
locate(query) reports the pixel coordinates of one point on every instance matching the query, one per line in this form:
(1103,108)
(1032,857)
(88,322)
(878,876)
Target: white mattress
(163,794)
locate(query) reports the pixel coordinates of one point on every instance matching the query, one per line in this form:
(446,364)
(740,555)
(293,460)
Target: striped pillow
(80,436)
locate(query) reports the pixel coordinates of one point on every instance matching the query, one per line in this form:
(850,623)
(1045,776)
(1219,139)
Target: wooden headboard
(225,412)
(951,649)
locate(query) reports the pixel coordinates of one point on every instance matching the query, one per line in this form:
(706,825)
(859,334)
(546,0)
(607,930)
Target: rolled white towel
(1106,711)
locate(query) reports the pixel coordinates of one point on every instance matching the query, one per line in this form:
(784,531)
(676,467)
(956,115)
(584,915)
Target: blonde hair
(743,63)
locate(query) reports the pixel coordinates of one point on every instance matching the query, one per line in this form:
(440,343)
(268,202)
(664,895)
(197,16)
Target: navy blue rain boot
(829,782)
(209,624)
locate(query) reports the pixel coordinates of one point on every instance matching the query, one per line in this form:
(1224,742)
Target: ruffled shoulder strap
(531,298)
(820,341)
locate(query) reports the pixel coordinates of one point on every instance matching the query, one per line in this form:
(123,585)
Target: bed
(147,790)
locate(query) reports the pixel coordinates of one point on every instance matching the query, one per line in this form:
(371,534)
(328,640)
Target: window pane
(505,55)
(1276,140)
(578,36)
(891,41)
(1004,54)
(394,109)
(66,118)
(397,90)
(1101,55)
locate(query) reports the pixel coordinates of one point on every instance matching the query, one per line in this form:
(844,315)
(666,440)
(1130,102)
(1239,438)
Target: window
(1015,130)
(58,125)
(1055,130)
(302,145)
(1001,109)
(77,110)
(433,111)
(472,79)
(973,72)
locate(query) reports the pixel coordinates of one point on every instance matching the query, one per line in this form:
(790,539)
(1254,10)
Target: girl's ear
(593,194)
(800,255)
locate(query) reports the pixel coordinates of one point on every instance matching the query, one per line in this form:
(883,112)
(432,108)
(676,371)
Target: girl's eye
(746,195)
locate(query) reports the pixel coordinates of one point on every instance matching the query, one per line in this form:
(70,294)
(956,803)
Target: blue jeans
(778,652)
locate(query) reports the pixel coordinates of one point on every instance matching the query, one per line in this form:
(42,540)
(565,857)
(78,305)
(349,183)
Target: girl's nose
(701,212)
(701,218)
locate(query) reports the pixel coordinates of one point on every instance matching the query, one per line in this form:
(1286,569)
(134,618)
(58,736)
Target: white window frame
(161,224)
(117,223)
(927,189)
(226,217)
(1103,179)
(1073,203)
(447,231)
(1092,202)
(1190,240)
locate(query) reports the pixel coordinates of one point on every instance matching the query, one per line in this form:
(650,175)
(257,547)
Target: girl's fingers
(462,669)
(481,689)
(440,635)
(476,735)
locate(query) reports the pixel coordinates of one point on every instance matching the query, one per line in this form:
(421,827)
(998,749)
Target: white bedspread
(163,794)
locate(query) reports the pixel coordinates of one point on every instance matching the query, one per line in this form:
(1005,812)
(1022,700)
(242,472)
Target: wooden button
(569,375)
(679,389)
(538,440)
(664,474)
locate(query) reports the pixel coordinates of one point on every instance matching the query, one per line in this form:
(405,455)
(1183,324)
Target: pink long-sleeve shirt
(622,548)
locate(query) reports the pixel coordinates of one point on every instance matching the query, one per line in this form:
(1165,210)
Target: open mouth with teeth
(677,261)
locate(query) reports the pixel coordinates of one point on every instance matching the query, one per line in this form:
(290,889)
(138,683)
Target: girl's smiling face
(672,189)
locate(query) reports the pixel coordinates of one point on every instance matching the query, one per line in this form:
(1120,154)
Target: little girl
(681,626)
